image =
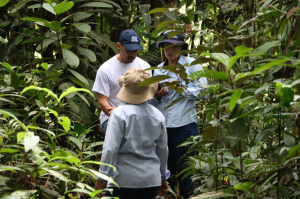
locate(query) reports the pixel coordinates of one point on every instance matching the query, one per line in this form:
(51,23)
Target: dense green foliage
(249,130)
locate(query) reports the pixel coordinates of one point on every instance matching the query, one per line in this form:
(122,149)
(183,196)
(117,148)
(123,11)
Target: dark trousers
(104,126)
(176,164)
(132,193)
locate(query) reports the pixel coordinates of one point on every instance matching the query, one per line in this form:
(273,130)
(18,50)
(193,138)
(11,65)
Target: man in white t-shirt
(106,84)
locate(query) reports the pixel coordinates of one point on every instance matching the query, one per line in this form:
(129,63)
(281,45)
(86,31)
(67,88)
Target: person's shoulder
(142,62)
(107,65)
(156,112)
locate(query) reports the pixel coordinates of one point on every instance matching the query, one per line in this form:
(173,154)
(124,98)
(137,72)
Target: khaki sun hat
(132,94)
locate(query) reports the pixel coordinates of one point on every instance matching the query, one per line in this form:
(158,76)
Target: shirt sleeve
(101,84)
(193,89)
(162,152)
(113,138)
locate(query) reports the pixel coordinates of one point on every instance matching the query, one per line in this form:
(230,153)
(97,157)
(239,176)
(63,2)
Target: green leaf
(80,191)
(289,140)
(244,187)
(241,50)
(99,163)
(10,168)
(83,27)
(70,58)
(56,174)
(88,53)
(45,66)
(8,150)
(34,39)
(81,15)
(166,23)
(49,8)
(265,47)
(20,194)
(4,23)
(286,93)
(7,65)
(54,25)
(14,80)
(49,93)
(3,2)
(30,141)
(65,122)
(77,142)
(20,136)
(154,79)
(42,129)
(80,77)
(234,99)
(158,10)
(221,57)
(100,38)
(261,136)
(210,74)
(267,66)
(97,4)
(63,7)
(35,19)
(73,89)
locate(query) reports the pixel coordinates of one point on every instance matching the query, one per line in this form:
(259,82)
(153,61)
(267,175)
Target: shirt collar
(180,61)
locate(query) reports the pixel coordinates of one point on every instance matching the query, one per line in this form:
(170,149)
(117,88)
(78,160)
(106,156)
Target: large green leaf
(286,93)
(154,79)
(241,50)
(70,58)
(158,10)
(261,136)
(221,57)
(3,2)
(54,25)
(73,89)
(289,140)
(80,77)
(34,39)
(81,15)
(268,66)
(77,142)
(8,150)
(49,93)
(103,38)
(88,53)
(65,122)
(83,27)
(56,174)
(97,4)
(244,187)
(20,194)
(210,74)
(166,23)
(234,99)
(63,7)
(35,19)
(49,8)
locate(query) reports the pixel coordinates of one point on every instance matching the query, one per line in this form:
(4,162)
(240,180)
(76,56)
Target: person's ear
(119,45)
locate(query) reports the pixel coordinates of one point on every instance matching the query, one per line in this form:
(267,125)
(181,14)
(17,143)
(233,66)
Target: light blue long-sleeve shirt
(183,112)
(136,144)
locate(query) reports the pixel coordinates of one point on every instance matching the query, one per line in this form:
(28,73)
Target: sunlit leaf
(3,2)
(54,25)
(97,5)
(234,99)
(65,122)
(73,89)
(63,7)
(49,8)
(30,141)
(20,136)
(158,10)
(70,58)
(286,93)
(268,66)
(35,19)
(49,93)
(244,187)
(221,57)
(8,150)
(210,74)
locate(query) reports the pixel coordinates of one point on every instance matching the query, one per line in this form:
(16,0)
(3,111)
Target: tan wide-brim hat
(132,94)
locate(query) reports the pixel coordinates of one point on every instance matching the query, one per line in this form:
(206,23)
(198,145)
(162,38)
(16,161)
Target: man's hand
(110,109)
(164,188)
(160,93)
(101,184)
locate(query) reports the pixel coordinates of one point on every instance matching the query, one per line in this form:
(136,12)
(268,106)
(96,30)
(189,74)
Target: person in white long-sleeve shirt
(135,142)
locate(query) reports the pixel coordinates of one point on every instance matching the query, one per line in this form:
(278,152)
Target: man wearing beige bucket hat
(135,142)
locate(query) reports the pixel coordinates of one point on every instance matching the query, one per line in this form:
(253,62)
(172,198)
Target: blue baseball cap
(177,39)
(131,40)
